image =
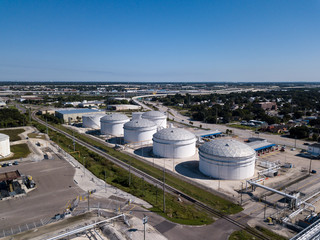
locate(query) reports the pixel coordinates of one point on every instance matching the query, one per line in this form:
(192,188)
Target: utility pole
(29,114)
(265,206)
(84,167)
(144,221)
(73,142)
(164,179)
(156,194)
(47,125)
(88,201)
(241,193)
(130,173)
(310,166)
(105,181)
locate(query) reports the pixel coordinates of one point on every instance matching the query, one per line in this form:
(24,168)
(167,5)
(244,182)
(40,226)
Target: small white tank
(112,124)
(92,120)
(4,145)
(157,117)
(139,131)
(174,143)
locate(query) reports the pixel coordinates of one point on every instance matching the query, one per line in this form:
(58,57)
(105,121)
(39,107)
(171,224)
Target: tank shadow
(144,151)
(190,169)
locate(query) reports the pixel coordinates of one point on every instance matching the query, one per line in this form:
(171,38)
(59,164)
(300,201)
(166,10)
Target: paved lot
(55,187)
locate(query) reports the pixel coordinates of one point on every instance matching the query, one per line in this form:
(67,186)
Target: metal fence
(116,206)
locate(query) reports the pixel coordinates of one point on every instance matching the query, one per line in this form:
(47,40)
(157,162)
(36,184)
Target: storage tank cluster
(112,124)
(227,159)
(174,143)
(4,145)
(159,118)
(139,131)
(92,120)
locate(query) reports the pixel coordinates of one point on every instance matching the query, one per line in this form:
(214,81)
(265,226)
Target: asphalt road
(55,187)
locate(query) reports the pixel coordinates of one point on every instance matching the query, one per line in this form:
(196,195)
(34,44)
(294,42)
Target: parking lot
(54,188)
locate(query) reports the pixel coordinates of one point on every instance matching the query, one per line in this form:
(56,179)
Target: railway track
(153,180)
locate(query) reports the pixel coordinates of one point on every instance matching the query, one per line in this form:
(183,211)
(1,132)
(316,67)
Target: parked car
(15,163)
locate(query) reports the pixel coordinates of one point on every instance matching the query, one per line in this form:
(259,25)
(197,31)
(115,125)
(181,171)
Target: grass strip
(13,133)
(19,151)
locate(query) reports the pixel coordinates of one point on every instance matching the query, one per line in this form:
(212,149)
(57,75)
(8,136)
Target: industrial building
(73,114)
(139,131)
(92,120)
(4,145)
(314,149)
(112,124)
(207,133)
(227,159)
(174,143)
(260,145)
(123,107)
(266,105)
(157,117)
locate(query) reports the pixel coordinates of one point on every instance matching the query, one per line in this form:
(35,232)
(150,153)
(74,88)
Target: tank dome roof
(227,148)
(174,134)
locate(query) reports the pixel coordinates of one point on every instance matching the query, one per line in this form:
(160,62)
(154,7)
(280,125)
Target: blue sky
(160,41)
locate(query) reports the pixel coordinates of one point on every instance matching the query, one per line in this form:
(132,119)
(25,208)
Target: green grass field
(12,133)
(242,127)
(243,235)
(36,135)
(20,151)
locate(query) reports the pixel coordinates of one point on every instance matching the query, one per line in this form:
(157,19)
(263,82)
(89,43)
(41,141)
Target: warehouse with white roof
(227,159)
(174,143)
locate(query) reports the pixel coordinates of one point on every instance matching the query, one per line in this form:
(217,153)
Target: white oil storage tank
(139,131)
(157,117)
(227,159)
(137,115)
(4,145)
(92,120)
(174,143)
(112,124)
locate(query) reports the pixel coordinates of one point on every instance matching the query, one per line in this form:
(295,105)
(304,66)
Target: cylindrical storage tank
(4,145)
(136,115)
(227,159)
(157,117)
(112,124)
(174,143)
(139,131)
(92,120)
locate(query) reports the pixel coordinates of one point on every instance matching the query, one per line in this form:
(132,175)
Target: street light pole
(144,221)
(164,179)
(84,167)
(105,181)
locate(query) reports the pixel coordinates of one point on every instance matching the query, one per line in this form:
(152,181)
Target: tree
(299,132)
